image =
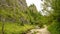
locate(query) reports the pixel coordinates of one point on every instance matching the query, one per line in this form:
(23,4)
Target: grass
(15,28)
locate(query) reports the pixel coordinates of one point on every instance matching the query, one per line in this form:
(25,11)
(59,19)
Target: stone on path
(39,31)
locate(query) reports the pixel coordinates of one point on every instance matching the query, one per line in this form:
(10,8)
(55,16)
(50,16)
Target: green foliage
(55,25)
(0,27)
(16,28)
(17,17)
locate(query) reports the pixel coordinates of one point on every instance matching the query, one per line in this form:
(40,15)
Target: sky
(37,3)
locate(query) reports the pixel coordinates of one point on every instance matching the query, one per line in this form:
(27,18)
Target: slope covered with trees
(54,27)
(17,18)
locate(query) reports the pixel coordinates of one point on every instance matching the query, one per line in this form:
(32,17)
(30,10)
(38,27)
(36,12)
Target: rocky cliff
(20,4)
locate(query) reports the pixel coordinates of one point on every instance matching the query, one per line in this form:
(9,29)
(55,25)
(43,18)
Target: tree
(55,5)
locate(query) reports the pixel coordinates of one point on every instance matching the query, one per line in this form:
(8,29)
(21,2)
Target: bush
(54,28)
(15,28)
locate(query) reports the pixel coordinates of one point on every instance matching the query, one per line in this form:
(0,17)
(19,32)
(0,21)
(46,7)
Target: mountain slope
(15,14)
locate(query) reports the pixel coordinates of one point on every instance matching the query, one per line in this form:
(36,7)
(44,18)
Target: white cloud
(37,3)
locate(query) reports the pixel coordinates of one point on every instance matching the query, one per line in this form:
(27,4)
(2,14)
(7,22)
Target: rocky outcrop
(20,4)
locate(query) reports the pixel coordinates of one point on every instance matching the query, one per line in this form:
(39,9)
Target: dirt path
(39,31)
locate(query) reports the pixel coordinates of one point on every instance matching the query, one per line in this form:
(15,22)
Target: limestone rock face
(20,4)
